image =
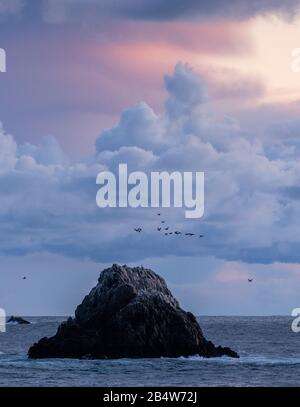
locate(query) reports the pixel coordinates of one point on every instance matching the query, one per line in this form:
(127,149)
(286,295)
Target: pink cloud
(292,268)
(232,272)
(222,37)
(76,74)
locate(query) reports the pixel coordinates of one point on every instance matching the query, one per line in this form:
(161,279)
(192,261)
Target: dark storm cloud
(166,10)
(194,9)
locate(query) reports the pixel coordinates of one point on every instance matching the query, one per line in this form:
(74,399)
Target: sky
(162,85)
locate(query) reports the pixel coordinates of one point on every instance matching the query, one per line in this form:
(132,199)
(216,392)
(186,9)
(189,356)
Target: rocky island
(17,320)
(129,314)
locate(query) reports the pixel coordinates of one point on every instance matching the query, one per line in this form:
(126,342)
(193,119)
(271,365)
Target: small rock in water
(129,314)
(17,320)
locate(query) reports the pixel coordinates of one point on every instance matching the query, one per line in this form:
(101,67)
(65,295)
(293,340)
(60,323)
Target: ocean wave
(250,360)
(247,359)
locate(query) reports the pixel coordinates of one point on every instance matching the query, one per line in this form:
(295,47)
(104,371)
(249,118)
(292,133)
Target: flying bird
(163,221)
(190,234)
(201,236)
(177,233)
(158,214)
(159,229)
(167,228)
(250,280)
(138,230)
(24,278)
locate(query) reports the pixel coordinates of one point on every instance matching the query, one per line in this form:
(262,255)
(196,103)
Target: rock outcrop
(130,313)
(17,320)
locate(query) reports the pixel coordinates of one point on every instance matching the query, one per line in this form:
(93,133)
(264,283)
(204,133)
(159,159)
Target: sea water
(269,350)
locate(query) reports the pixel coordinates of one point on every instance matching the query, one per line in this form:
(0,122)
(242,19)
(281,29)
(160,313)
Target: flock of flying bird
(165,229)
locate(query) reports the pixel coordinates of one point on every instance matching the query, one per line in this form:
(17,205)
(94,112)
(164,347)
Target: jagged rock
(17,320)
(130,313)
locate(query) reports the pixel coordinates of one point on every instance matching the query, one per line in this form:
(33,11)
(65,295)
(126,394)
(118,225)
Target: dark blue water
(270,356)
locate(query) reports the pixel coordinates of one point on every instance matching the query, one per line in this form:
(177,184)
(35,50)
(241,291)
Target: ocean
(269,350)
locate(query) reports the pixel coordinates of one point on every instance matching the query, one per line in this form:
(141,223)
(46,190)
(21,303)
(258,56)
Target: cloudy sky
(161,85)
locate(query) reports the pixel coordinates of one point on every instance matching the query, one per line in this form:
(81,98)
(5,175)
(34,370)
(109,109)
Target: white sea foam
(246,359)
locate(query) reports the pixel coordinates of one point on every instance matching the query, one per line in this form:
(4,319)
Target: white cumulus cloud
(47,202)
